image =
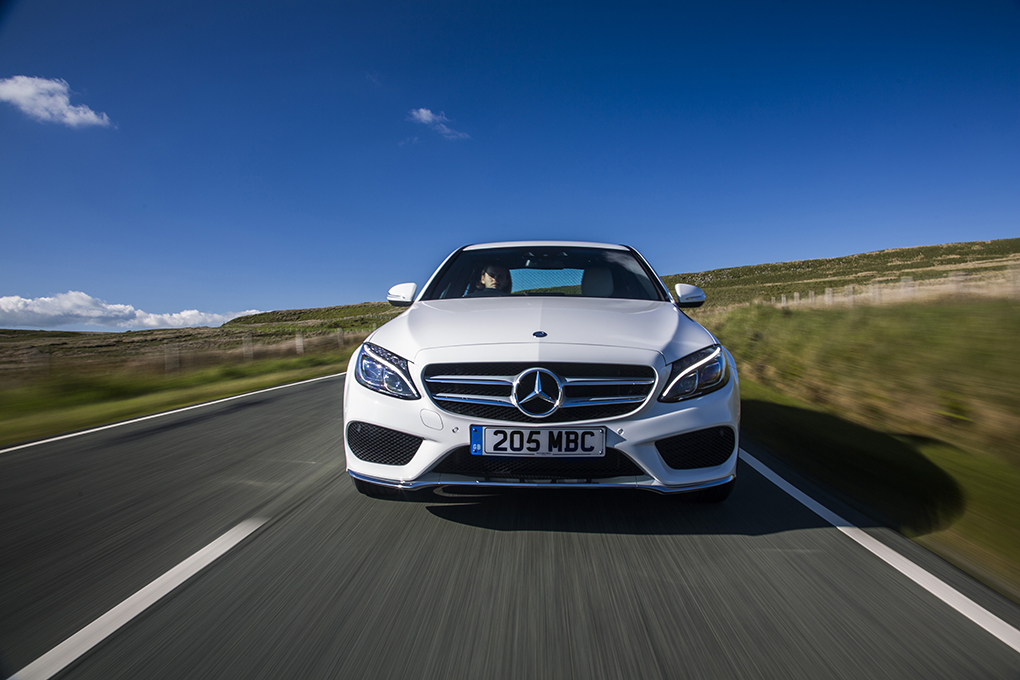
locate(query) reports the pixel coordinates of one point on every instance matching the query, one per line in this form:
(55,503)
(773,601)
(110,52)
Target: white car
(543,364)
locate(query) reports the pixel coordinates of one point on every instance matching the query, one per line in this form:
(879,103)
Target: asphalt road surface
(579,584)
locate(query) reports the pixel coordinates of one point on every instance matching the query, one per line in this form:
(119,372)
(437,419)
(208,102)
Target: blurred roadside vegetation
(52,382)
(909,411)
(74,400)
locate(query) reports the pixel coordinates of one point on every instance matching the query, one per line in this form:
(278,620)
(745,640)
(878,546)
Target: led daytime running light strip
(693,367)
(369,349)
(381,354)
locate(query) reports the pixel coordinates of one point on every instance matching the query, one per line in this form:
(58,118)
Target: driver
(494,280)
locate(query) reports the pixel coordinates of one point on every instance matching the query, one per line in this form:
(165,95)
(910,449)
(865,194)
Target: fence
(1001,284)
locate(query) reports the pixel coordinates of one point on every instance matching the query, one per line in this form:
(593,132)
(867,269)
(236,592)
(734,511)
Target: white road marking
(165,413)
(72,648)
(979,615)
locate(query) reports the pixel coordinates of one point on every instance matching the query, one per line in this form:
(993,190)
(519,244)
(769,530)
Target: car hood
(591,322)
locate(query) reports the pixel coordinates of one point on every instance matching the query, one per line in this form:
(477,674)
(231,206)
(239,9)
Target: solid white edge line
(72,648)
(165,413)
(940,589)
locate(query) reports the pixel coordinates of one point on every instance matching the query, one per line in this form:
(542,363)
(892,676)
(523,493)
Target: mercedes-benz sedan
(543,364)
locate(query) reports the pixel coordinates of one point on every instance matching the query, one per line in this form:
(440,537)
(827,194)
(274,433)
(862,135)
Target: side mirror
(689,296)
(402,294)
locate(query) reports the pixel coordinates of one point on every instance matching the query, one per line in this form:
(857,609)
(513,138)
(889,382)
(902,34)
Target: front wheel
(376,490)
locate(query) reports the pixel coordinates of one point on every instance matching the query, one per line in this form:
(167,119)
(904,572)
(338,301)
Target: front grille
(698,449)
(613,464)
(374,444)
(590,391)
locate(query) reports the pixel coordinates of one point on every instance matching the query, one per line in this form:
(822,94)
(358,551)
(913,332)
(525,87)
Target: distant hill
(342,317)
(740,285)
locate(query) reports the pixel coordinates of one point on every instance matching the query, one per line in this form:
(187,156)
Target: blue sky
(228,156)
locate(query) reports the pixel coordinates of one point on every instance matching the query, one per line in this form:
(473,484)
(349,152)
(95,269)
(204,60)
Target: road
(585,584)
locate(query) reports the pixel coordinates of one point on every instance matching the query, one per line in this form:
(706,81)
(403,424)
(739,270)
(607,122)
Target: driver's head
(496,276)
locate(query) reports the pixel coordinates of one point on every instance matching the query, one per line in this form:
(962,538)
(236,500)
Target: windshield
(544,271)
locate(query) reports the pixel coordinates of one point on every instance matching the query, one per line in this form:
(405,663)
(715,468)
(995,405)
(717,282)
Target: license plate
(521,441)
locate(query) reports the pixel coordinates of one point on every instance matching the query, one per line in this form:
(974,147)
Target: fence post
(783,304)
(849,294)
(828,296)
(249,348)
(299,343)
(796,298)
(957,281)
(811,297)
(907,287)
(172,355)
(876,294)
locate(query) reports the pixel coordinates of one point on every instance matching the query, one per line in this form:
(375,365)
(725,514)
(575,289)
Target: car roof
(555,244)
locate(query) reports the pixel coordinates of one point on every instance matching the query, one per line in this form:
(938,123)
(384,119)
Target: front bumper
(633,435)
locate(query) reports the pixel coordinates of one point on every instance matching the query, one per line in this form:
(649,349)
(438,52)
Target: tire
(376,490)
(715,494)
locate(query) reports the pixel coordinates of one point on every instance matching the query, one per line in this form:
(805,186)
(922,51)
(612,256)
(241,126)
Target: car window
(545,271)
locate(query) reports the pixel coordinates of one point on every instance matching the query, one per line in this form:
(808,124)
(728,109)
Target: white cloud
(436,121)
(427,117)
(77,308)
(48,101)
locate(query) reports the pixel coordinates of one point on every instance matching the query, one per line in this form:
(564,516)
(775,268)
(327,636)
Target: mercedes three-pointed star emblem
(537,392)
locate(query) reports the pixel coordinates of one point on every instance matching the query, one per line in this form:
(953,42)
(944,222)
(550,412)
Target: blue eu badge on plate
(476,440)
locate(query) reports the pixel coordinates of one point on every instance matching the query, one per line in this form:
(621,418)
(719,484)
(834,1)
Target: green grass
(910,410)
(73,401)
(886,474)
(947,370)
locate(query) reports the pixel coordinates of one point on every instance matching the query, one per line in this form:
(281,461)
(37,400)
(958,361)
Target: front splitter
(538,484)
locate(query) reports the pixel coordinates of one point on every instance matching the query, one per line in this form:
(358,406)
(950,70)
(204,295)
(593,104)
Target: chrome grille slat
(467,399)
(589,401)
(473,380)
(605,382)
(590,391)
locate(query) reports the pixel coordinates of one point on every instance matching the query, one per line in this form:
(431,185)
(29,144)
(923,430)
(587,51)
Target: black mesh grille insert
(698,449)
(614,464)
(374,444)
(510,413)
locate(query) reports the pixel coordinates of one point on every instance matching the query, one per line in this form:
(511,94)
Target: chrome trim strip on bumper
(666,490)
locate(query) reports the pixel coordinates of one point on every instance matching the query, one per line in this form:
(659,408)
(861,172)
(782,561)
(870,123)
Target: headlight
(704,371)
(383,371)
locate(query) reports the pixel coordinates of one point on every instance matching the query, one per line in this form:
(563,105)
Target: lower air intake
(374,444)
(698,449)
(614,464)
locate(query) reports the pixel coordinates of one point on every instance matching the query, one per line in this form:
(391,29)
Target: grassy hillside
(744,285)
(359,317)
